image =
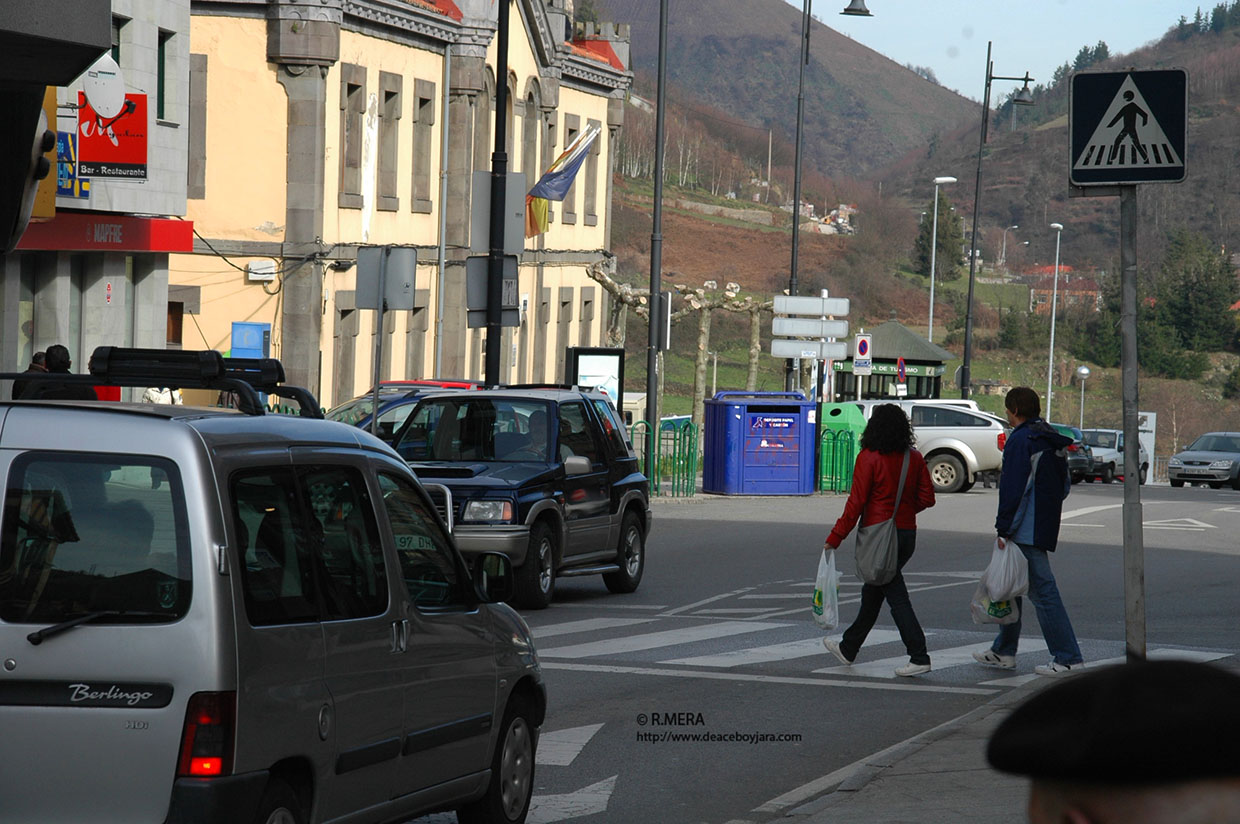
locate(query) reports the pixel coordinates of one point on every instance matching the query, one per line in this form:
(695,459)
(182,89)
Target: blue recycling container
(759,443)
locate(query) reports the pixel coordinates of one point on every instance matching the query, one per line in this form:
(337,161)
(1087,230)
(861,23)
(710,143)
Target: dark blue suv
(546,476)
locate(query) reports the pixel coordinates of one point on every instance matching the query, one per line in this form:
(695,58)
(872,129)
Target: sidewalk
(938,776)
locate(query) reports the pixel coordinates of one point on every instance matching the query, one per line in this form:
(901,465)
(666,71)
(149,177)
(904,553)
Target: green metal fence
(837,452)
(674,470)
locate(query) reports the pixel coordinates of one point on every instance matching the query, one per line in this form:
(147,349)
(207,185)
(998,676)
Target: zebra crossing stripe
(586,625)
(654,640)
(775,652)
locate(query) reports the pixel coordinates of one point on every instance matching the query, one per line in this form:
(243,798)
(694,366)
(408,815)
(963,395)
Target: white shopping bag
(826,607)
(1005,579)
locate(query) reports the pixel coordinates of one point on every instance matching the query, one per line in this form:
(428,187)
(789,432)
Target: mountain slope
(862,111)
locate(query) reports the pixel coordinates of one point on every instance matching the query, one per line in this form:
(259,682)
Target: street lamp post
(1003,254)
(856,8)
(1023,98)
(1082,372)
(1050,366)
(934,247)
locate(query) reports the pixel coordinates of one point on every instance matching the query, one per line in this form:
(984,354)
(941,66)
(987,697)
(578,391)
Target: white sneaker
(912,669)
(993,659)
(1054,668)
(833,647)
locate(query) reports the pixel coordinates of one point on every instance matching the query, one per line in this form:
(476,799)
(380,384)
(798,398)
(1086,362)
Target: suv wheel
(1108,473)
(536,577)
(631,557)
(1145,470)
(508,795)
(947,473)
(279,805)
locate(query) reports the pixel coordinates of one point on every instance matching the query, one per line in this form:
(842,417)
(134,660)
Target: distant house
(1072,291)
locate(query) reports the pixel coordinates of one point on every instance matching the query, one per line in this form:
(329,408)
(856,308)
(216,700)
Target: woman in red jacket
(876,478)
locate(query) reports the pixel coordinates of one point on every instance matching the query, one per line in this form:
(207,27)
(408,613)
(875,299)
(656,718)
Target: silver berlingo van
(209,615)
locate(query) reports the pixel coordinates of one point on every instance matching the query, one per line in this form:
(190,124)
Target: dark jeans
(896,594)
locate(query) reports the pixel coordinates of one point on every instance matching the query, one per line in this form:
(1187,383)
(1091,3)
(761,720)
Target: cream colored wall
(368,225)
(245,180)
(247,129)
(225,297)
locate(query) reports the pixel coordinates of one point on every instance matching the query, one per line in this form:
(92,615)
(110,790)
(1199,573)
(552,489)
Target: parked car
(1080,456)
(396,401)
(1108,448)
(1214,459)
(959,444)
(546,476)
(219,617)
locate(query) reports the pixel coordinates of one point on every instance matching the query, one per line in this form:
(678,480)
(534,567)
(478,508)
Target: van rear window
(86,533)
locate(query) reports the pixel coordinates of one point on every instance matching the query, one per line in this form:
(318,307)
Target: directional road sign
(1128,127)
(809,349)
(809,328)
(788,305)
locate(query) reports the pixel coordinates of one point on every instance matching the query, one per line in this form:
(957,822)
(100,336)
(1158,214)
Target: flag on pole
(556,181)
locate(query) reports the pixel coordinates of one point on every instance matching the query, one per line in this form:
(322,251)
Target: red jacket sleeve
(863,480)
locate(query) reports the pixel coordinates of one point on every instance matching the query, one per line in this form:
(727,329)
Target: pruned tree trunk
(755,347)
(699,371)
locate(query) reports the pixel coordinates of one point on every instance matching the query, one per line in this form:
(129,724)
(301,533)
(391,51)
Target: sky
(949,36)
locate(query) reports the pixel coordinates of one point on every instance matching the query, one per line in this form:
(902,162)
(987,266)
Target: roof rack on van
(567,386)
(194,369)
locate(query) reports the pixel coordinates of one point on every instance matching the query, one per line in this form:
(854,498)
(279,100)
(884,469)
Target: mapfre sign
(1128,127)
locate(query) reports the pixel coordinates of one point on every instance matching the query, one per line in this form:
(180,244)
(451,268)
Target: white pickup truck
(1108,447)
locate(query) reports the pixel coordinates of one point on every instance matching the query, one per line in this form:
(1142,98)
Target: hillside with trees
(1186,248)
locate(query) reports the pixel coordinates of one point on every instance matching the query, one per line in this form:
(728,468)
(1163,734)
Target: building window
(572,127)
(352,134)
(118,23)
(423,129)
(390,86)
(161,75)
(591,195)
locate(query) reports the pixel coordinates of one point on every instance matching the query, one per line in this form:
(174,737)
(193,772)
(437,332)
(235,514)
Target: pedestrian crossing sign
(1128,127)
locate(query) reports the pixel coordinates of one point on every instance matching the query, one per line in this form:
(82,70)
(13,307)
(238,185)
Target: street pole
(1003,254)
(499,176)
(374,409)
(790,365)
(1023,98)
(1134,541)
(934,248)
(656,255)
(1050,365)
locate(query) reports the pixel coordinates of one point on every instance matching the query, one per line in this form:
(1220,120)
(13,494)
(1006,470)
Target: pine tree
(947,261)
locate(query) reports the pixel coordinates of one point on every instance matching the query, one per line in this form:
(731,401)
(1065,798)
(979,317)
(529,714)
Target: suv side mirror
(577,465)
(493,581)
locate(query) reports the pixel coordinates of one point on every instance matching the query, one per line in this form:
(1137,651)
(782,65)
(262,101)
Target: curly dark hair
(889,430)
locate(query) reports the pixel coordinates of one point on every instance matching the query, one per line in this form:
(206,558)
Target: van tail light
(1002,439)
(207,742)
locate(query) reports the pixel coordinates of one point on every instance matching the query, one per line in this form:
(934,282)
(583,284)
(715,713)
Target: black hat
(1140,723)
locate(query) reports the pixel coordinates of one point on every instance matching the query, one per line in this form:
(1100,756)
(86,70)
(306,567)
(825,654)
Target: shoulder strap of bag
(900,488)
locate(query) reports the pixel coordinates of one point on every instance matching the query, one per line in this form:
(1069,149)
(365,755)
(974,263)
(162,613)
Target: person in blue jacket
(1032,488)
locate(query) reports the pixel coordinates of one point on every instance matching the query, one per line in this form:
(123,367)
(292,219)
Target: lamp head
(939,181)
(1082,372)
(1013,226)
(1024,97)
(856,8)
(1058,227)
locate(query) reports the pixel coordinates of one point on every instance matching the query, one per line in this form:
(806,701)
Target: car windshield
(355,411)
(477,429)
(87,534)
(1215,442)
(1103,440)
